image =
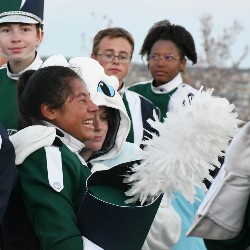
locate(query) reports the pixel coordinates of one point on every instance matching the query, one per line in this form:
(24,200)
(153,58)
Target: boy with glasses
(113,48)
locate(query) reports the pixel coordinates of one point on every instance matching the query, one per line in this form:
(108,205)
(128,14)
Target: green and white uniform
(8,95)
(139,110)
(162,96)
(52,182)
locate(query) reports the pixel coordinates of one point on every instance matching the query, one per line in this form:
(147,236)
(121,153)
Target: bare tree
(100,22)
(217,51)
(216,66)
(216,69)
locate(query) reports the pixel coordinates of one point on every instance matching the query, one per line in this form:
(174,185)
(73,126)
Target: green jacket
(52,181)
(162,96)
(8,95)
(8,102)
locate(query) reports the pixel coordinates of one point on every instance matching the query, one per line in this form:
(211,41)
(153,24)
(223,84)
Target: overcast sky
(71,25)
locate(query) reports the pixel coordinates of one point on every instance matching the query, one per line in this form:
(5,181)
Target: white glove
(221,214)
(165,229)
(89,245)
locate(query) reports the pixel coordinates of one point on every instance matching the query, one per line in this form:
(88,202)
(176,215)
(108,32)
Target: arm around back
(8,171)
(53,213)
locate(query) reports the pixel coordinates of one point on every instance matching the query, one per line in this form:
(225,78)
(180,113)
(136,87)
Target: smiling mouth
(88,123)
(160,72)
(16,48)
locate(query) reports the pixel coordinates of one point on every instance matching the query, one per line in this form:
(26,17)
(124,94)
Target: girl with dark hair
(106,124)
(167,48)
(113,48)
(56,118)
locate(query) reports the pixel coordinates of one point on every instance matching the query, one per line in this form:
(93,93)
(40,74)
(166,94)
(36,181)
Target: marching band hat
(22,11)
(104,217)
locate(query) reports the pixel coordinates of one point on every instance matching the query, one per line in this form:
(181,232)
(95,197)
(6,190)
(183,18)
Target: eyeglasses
(165,58)
(110,57)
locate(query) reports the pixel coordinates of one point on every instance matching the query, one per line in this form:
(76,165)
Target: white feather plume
(190,140)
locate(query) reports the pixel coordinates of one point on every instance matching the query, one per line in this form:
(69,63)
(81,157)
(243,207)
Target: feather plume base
(188,145)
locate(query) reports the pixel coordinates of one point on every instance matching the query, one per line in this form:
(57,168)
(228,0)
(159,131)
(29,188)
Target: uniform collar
(36,64)
(71,142)
(168,87)
(122,90)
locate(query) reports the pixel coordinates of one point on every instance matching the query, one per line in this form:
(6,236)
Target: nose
(15,36)
(161,61)
(92,107)
(116,59)
(96,123)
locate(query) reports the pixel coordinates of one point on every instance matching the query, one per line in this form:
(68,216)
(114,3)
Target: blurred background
(220,29)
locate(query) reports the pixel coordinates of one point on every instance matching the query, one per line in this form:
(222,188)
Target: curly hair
(164,30)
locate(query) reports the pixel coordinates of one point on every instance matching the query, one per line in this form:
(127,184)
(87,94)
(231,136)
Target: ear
(48,112)
(183,64)
(39,38)
(93,55)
